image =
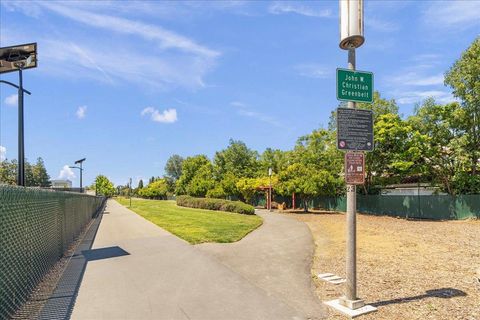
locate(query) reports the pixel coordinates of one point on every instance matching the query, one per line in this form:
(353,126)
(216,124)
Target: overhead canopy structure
(23,56)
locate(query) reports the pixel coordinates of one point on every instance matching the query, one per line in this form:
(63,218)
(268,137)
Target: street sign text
(354,85)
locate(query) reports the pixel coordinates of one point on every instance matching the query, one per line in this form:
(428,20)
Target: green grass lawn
(195,225)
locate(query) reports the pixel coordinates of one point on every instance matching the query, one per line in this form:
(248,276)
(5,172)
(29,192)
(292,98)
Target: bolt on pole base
(338,305)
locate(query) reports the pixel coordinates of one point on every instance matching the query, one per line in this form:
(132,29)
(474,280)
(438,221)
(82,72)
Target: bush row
(215,204)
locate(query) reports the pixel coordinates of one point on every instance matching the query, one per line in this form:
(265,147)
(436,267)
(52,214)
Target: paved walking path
(277,257)
(136,270)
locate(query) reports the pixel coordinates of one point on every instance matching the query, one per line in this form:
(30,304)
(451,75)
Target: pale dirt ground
(408,269)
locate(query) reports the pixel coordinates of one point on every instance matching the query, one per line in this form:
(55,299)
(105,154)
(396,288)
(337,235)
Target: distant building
(61,183)
(410,189)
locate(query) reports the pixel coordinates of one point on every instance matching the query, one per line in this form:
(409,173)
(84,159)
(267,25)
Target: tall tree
(190,167)
(140,184)
(444,143)
(464,78)
(103,186)
(40,174)
(173,167)
(314,169)
(237,159)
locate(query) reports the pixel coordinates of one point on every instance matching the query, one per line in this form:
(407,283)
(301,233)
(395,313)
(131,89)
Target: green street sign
(354,85)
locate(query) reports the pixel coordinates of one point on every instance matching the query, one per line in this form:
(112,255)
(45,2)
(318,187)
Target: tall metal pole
(270,193)
(21,146)
(81,174)
(351,283)
(130,192)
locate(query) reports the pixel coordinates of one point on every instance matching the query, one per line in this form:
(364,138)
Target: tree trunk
(305,205)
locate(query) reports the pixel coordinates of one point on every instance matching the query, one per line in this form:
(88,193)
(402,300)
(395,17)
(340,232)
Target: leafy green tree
(250,187)
(217,193)
(173,167)
(444,143)
(464,78)
(236,159)
(155,190)
(272,158)
(308,182)
(140,184)
(314,169)
(103,186)
(202,181)
(190,167)
(8,172)
(40,177)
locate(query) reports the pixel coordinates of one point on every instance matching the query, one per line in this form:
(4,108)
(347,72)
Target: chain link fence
(36,227)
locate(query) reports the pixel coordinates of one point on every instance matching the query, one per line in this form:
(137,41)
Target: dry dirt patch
(408,269)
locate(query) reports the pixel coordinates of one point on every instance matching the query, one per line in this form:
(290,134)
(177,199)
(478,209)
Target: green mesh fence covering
(36,228)
(435,207)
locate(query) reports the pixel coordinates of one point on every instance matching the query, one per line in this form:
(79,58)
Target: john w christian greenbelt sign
(354,85)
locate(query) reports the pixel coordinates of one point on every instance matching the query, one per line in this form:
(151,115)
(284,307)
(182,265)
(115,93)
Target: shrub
(215,204)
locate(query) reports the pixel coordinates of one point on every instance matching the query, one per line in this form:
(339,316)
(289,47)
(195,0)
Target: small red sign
(354,168)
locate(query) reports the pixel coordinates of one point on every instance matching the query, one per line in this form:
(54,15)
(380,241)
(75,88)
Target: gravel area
(408,269)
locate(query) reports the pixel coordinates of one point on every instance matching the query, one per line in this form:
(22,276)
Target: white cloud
(312,71)
(166,116)
(160,58)
(415,79)
(409,97)
(81,112)
(453,14)
(243,110)
(3,153)
(11,100)
(295,7)
(66,173)
(166,38)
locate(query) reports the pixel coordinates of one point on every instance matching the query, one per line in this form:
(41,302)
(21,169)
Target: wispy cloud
(166,116)
(415,79)
(312,70)
(409,97)
(298,8)
(452,14)
(11,100)
(160,58)
(66,173)
(243,110)
(3,153)
(81,112)
(166,39)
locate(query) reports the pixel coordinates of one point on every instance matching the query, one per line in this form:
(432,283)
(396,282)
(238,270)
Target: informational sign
(354,129)
(354,168)
(354,85)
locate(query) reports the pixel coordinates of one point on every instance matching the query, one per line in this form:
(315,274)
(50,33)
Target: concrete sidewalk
(136,270)
(277,257)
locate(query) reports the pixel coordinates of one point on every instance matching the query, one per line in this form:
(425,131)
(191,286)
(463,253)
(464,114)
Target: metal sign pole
(21,145)
(351,37)
(351,283)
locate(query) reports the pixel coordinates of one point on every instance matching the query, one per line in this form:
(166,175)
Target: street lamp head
(80,161)
(19,57)
(269,171)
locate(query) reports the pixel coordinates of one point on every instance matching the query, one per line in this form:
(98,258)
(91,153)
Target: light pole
(270,190)
(351,37)
(81,171)
(15,58)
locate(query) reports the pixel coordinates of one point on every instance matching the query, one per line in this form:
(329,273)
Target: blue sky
(127,84)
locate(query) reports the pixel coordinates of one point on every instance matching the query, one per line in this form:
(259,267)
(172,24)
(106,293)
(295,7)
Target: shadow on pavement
(61,302)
